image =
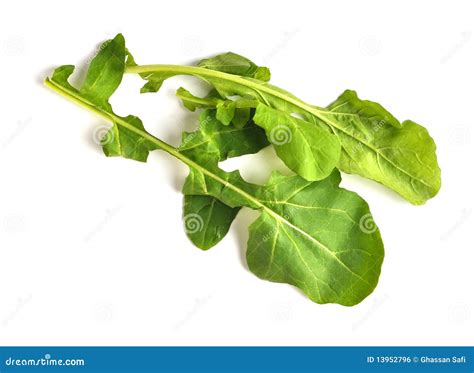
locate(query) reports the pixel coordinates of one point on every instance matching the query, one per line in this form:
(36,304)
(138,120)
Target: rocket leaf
(374,144)
(295,139)
(233,63)
(206,219)
(103,78)
(309,232)
(237,112)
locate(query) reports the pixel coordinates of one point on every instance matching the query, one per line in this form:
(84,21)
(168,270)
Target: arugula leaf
(308,233)
(229,111)
(103,78)
(402,156)
(233,63)
(206,219)
(295,139)
(310,237)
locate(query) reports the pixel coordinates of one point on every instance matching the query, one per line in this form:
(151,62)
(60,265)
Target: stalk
(204,74)
(111,117)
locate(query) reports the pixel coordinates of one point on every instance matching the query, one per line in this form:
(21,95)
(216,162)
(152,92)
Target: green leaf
(296,140)
(225,112)
(233,63)
(314,242)
(237,112)
(229,63)
(216,143)
(192,102)
(127,143)
(241,117)
(206,220)
(105,71)
(309,235)
(402,156)
(103,78)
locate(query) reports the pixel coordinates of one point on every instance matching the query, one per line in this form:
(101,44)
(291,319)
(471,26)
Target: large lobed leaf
(311,237)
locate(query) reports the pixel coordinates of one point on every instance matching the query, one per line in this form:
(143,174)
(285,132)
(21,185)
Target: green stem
(75,97)
(322,114)
(203,73)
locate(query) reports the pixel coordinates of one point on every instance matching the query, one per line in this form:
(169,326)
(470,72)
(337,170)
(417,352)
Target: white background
(92,249)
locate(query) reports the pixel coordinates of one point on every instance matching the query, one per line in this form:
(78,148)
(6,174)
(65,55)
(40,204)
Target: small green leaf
(105,71)
(126,143)
(308,150)
(103,78)
(225,112)
(237,112)
(192,102)
(235,64)
(216,142)
(207,220)
(402,156)
(241,117)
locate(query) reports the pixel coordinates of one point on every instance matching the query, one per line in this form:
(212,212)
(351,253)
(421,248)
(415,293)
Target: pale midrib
(76,98)
(202,72)
(73,96)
